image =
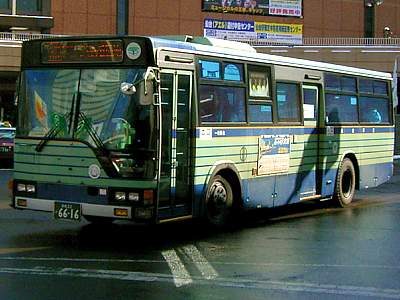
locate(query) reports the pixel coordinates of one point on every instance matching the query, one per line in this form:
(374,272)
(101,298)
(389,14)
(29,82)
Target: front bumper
(87,208)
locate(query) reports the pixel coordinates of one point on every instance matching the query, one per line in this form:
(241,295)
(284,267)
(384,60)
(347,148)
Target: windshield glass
(88,105)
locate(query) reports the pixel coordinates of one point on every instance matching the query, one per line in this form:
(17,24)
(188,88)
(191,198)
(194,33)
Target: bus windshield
(88,105)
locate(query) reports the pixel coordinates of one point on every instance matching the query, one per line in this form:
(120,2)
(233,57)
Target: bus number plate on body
(67,211)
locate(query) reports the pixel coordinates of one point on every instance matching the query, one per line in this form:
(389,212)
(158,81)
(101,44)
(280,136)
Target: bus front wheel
(345,183)
(219,199)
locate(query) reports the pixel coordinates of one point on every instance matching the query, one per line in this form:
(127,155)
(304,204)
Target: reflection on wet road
(305,251)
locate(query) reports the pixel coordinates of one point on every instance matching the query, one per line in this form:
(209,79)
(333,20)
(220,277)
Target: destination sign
(88,51)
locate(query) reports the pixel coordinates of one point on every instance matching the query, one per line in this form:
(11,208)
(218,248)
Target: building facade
(362,33)
(319,18)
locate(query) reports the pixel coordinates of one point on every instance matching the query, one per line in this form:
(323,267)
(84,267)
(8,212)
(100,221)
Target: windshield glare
(88,105)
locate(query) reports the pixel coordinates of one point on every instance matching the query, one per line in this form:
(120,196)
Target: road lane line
(200,261)
(285,286)
(181,275)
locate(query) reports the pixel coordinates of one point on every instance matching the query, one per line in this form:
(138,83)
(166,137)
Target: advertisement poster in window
(258,84)
(286,8)
(271,33)
(273,154)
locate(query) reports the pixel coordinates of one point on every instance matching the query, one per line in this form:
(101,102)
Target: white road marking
(201,262)
(302,287)
(179,272)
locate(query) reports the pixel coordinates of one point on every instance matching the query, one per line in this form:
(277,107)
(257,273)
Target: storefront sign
(291,8)
(250,30)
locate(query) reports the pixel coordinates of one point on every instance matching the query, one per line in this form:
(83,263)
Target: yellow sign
(277,28)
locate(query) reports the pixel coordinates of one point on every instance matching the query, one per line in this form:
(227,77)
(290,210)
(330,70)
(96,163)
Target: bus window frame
(260,100)
(290,122)
(222,83)
(359,94)
(387,97)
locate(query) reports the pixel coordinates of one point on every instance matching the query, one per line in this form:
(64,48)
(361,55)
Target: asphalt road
(305,251)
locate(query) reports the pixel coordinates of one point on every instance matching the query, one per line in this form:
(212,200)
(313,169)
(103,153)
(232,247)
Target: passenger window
(332,82)
(374,110)
(340,83)
(348,84)
(366,86)
(219,104)
(260,113)
(210,69)
(310,104)
(341,108)
(288,102)
(380,88)
(233,72)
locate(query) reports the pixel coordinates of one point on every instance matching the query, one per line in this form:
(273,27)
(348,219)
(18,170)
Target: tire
(345,183)
(219,201)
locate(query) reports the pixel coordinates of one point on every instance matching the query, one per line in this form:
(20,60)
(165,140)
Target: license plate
(67,211)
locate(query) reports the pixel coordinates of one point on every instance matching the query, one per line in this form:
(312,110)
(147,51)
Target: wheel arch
(352,156)
(228,170)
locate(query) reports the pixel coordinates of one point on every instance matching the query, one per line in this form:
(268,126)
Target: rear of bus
(86,139)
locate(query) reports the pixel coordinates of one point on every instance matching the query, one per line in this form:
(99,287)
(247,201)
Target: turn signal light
(148,197)
(22,202)
(121,212)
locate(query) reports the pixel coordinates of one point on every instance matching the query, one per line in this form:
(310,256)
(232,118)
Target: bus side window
(288,102)
(374,110)
(220,104)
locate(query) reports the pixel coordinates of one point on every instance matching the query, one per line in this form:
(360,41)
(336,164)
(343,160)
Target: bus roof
(232,50)
(229,49)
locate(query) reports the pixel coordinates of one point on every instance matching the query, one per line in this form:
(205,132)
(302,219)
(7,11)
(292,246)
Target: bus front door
(311,187)
(175,183)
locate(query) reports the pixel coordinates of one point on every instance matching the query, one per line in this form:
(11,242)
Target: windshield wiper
(52,133)
(92,133)
(102,153)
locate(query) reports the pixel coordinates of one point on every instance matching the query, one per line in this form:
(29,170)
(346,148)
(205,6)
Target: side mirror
(147,94)
(128,88)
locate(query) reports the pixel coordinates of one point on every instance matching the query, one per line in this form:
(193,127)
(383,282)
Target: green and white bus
(159,129)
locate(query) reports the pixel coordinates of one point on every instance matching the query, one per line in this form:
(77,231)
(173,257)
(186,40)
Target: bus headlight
(30,188)
(120,196)
(133,197)
(21,187)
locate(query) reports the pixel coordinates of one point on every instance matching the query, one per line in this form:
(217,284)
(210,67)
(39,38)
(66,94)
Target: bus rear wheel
(219,200)
(345,183)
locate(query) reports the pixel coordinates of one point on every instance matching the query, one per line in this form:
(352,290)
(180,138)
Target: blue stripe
(250,131)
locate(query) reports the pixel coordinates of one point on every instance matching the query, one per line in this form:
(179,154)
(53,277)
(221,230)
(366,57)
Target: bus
(159,129)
